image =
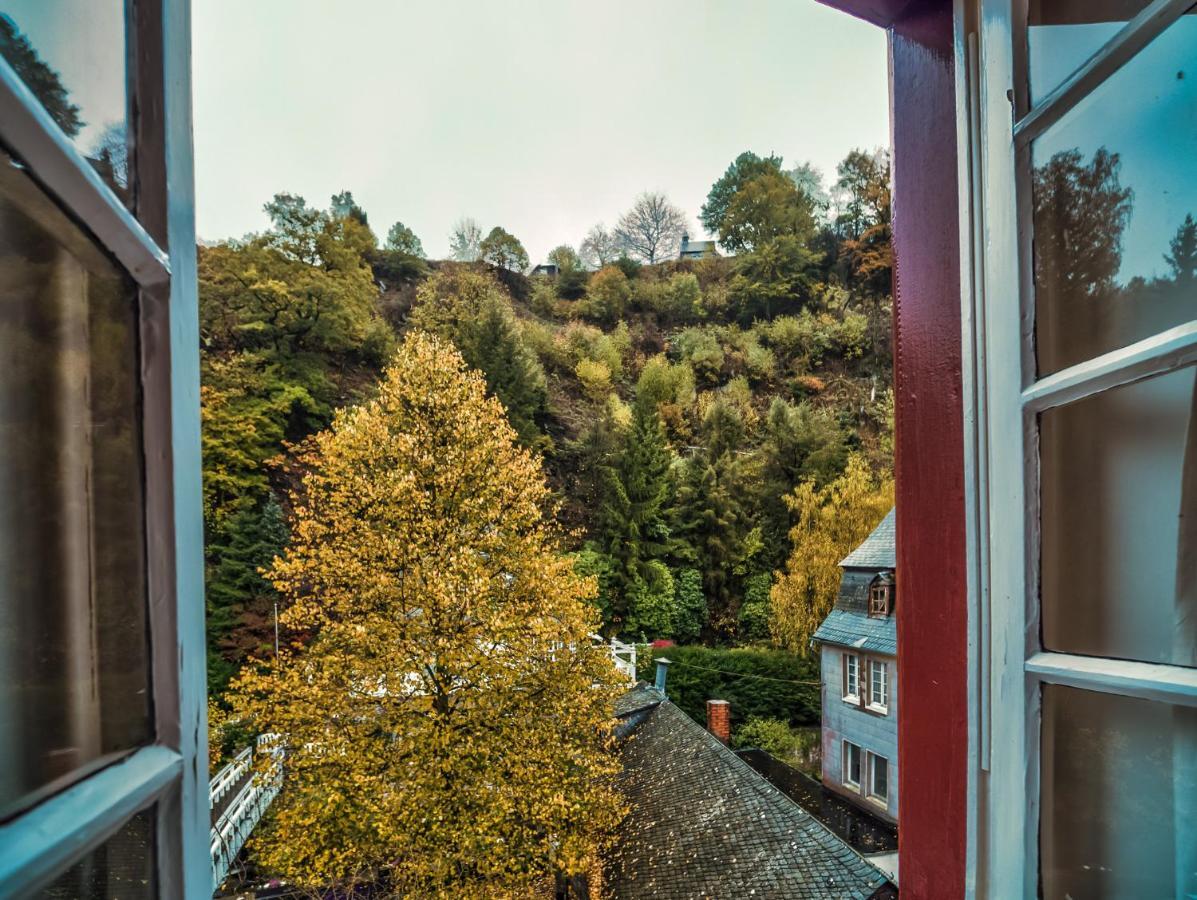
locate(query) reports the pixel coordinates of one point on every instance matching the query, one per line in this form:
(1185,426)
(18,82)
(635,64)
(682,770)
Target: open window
(881,595)
(878,783)
(1083,320)
(103,790)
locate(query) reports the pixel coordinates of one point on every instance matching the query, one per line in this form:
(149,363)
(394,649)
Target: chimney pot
(663,665)
(719,719)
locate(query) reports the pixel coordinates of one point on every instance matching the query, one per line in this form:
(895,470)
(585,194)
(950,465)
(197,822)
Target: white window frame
(1002,403)
(851,696)
(846,766)
(878,665)
(871,789)
(170,773)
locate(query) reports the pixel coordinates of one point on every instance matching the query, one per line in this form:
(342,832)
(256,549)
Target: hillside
(676,405)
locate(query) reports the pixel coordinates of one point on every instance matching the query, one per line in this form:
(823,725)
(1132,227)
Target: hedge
(760,682)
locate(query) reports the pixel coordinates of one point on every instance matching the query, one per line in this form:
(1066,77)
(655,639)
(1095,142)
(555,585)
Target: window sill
(852,699)
(877,710)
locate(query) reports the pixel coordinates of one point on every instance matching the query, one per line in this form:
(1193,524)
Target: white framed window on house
(878,686)
(878,783)
(1080,130)
(851,763)
(851,678)
(103,788)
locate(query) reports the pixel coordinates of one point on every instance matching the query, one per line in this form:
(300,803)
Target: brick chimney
(719,719)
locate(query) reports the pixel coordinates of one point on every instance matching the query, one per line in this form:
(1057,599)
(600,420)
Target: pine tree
(635,534)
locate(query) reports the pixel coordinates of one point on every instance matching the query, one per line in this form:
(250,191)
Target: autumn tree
(607,295)
(565,258)
(856,193)
(600,247)
(447,720)
(403,239)
(465,240)
(828,523)
(743,169)
(501,248)
(652,229)
(767,207)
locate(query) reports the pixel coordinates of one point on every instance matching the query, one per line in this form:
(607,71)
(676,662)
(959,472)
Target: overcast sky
(543,116)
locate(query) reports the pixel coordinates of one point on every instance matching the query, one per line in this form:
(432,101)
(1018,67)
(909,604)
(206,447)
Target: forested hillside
(689,412)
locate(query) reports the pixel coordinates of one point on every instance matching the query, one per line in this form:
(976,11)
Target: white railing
(623,655)
(234,825)
(226,778)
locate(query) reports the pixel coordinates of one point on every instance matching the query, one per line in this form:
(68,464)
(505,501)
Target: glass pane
(1119,522)
(71,55)
(1115,208)
(122,868)
(1118,779)
(73,646)
(1063,34)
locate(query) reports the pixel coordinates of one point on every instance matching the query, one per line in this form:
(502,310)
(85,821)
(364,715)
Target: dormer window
(881,596)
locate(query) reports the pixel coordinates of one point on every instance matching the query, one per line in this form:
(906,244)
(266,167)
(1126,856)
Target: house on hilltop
(858,660)
(703,823)
(696,249)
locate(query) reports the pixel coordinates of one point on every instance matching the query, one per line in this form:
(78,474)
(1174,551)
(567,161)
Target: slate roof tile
(703,824)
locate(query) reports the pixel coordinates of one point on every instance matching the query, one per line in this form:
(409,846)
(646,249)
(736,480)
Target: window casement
(881,596)
(102,699)
(851,763)
(851,666)
(878,686)
(878,779)
(1080,317)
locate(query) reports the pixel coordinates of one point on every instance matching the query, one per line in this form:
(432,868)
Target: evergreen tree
(492,343)
(1183,258)
(635,534)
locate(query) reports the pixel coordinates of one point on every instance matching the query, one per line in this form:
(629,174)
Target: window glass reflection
(71,55)
(1115,203)
(1119,522)
(122,868)
(1119,811)
(1063,34)
(73,645)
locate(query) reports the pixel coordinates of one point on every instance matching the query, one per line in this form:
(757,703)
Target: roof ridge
(828,838)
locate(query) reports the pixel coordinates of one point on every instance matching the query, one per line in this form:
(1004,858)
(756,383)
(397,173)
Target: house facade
(858,660)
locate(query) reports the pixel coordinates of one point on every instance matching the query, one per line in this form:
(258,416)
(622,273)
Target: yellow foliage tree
(829,523)
(445,714)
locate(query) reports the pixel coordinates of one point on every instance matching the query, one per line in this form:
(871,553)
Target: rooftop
(877,550)
(704,824)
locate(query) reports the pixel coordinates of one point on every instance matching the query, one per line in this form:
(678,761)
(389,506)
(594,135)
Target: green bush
(757,682)
(771,735)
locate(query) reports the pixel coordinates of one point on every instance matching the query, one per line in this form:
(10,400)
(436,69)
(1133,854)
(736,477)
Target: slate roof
(853,628)
(703,824)
(877,550)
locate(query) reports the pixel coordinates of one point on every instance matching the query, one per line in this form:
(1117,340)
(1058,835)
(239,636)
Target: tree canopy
(445,713)
(403,239)
(743,169)
(501,248)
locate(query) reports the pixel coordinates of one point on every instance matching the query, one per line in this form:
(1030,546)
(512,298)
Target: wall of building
(870,731)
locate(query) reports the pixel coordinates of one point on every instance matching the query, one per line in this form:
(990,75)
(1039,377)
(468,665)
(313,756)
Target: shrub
(766,733)
(607,295)
(757,682)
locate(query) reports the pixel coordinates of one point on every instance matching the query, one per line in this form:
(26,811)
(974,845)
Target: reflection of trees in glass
(45,83)
(1080,213)
(110,155)
(1183,258)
